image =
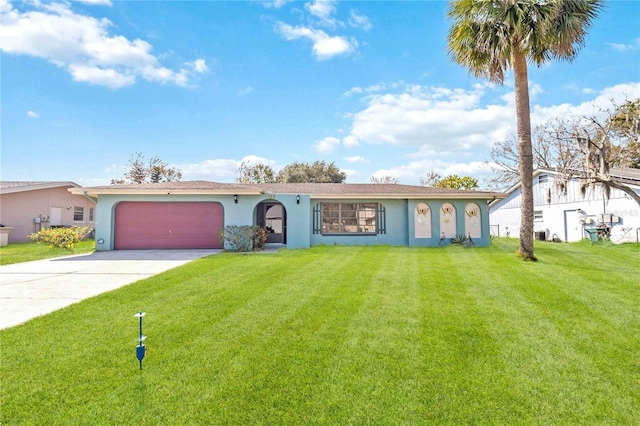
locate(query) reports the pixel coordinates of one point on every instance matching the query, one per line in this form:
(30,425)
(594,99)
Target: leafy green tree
(260,173)
(138,171)
(316,172)
(457,182)
(491,37)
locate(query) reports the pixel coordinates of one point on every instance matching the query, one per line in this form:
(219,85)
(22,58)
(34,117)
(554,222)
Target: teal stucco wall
(400,226)
(241,213)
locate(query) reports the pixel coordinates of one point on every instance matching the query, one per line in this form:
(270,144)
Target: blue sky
(207,85)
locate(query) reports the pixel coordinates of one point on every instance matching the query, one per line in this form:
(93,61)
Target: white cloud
(430,116)
(216,170)
(620,47)
(326,145)
(374,88)
(101,77)
(353,91)
(412,172)
(276,4)
(255,159)
(359,21)
(321,8)
(83,46)
(32,114)
(351,173)
(598,106)
(97,2)
(350,141)
(450,131)
(356,159)
(324,45)
(200,66)
(220,170)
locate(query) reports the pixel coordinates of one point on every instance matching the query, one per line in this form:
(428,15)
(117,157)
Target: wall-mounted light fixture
(298,199)
(579,210)
(235,199)
(68,207)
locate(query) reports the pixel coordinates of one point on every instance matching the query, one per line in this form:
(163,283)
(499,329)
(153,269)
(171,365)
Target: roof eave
(167,191)
(450,196)
(36,187)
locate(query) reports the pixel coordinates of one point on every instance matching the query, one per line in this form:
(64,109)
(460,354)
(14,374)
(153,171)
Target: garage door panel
(153,225)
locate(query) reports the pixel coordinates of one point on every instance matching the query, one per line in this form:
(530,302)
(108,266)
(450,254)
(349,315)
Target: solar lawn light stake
(140,349)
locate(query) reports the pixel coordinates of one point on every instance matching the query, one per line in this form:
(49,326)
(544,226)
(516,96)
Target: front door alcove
(273,216)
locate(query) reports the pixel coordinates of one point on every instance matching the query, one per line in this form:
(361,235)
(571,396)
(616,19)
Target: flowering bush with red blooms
(61,237)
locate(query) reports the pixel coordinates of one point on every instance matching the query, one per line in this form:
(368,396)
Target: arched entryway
(273,216)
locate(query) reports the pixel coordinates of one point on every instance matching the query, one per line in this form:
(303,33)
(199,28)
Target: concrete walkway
(33,289)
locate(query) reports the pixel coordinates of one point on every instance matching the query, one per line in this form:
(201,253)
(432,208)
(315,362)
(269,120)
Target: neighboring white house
(567,215)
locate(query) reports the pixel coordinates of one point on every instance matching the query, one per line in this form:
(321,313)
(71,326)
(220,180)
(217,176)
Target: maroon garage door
(148,225)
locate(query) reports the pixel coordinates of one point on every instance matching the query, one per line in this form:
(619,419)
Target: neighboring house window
(352,218)
(78,214)
(537,215)
(91,219)
(543,178)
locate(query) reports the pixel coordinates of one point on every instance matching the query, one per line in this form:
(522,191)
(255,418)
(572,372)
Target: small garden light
(140,349)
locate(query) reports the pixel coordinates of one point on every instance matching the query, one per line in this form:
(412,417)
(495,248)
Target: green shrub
(61,237)
(260,237)
(244,238)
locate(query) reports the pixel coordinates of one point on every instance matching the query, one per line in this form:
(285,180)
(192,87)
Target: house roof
(10,187)
(315,190)
(628,176)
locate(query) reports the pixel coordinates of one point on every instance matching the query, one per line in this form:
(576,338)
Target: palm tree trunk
(525,153)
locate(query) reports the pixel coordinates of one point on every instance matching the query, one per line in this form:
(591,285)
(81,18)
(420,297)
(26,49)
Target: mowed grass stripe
(343,335)
(467,379)
(561,341)
(371,375)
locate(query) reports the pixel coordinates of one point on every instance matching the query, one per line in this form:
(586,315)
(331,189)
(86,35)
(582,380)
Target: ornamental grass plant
(345,335)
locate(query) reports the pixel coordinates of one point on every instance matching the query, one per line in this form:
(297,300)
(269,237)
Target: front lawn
(25,252)
(345,335)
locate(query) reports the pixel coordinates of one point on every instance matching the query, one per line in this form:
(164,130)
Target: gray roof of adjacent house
(12,186)
(315,190)
(627,175)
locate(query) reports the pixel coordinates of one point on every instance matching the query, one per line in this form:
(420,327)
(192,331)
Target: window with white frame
(78,214)
(543,178)
(537,215)
(349,218)
(91,214)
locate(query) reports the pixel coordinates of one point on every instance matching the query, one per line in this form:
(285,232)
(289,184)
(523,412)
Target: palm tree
(489,37)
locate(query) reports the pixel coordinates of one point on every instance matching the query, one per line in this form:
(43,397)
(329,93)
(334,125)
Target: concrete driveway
(32,289)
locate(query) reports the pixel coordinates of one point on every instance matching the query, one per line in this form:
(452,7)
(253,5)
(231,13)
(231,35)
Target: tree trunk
(626,189)
(525,153)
